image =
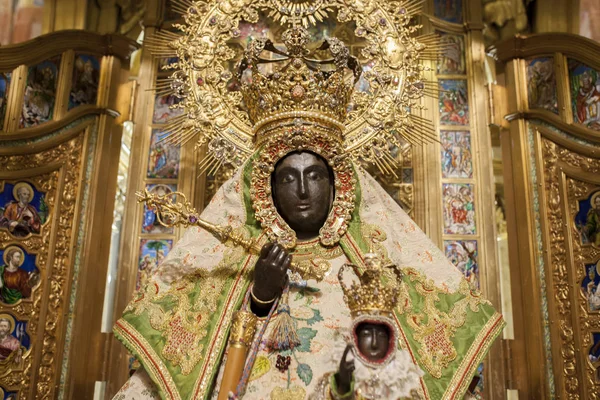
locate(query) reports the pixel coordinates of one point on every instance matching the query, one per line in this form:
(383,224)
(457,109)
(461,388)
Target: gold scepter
(170,213)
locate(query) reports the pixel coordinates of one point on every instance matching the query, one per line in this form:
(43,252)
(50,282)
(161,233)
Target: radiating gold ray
(183,3)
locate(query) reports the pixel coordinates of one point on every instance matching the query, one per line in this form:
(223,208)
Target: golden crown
(371,294)
(302,89)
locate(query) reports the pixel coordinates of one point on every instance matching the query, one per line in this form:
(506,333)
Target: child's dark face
(373,340)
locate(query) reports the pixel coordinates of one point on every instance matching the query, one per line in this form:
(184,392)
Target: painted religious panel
(448,10)
(85,79)
(541,84)
(152,252)
(4,86)
(454,102)
(459,209)
(7,394)
(23,209)
(452,60)
(587,220)
(457,161)
(463,254)
(585,94)
(18,275)
(14,343)
(150,223)
(590,286)
(164,108)
(163,158)
(40,93)
(477,385)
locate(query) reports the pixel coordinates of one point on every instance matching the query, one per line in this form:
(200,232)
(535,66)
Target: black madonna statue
(217,321)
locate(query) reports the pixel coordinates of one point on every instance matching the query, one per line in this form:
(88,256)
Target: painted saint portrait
(453,102)
(448,10)
(452,60)
(587,220)
(25,212)
(164,108)
(18,275)
(463,254)
(457,159)
(84,84)
(150,223)
(585,94)
(163,160)
(590,286)
(4,85)
(14,341)
(459,209)
(40,93)
(541,84)
(594,353)
(152,253)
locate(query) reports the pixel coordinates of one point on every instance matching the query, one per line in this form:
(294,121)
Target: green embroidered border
(152,363)
(474,357)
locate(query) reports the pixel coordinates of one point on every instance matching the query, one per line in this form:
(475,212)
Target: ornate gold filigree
(561,227)
(298,89)
(379,116)
(243,327)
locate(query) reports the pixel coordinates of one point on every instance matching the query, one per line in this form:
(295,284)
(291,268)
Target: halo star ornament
(375,120)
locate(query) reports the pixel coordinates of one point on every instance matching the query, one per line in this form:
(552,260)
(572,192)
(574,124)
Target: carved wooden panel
(36,310)
(572,227)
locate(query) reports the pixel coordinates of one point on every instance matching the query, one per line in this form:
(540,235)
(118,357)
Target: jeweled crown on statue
(299,91)
(373,293)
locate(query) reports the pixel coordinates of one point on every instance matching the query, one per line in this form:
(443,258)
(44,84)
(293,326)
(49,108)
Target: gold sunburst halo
(378,118)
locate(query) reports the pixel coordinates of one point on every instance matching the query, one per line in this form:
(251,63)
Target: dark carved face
(302,191)
(373,340)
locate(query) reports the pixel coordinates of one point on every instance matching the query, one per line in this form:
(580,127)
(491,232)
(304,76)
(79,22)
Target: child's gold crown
(371,294)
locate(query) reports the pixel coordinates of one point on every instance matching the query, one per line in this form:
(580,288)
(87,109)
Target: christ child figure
(371,366)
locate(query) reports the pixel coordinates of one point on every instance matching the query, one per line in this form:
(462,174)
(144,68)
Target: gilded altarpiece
(551,155)
(59,120)
(418,185)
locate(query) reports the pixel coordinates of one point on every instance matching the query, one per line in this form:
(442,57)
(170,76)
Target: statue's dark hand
(343,378)
(270,272)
